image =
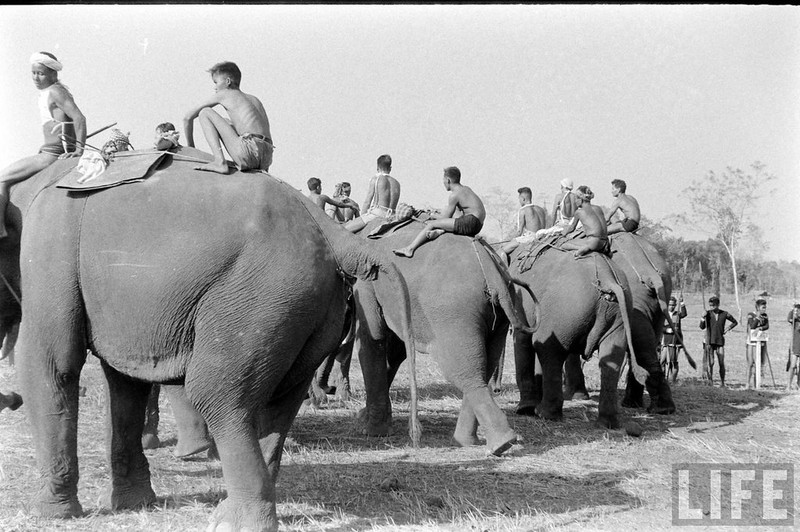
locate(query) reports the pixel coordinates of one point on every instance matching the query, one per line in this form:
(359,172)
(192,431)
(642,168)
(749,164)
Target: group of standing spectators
(717,323)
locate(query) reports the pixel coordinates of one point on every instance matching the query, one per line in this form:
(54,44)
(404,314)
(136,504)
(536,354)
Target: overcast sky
(513,95)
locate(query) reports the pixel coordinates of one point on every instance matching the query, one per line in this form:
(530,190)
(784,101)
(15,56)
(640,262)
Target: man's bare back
(386,192)
(246,112)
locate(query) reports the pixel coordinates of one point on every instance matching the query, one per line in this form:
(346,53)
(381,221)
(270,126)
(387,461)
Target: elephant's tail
(499,284)
(661,294)
(614,283)
(389,285)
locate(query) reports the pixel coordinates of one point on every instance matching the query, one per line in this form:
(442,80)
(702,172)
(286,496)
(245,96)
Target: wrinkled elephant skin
(462,302)
(585,305)
(229,285)
(651,285)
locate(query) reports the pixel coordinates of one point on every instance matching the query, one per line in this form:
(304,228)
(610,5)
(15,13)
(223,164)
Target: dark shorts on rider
(467,225)
(630,225)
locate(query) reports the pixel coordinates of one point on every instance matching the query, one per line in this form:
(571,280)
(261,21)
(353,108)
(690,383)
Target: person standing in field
(794,351)
(670,343)
(246,137)
(713,322)
(63,125)
(756,321)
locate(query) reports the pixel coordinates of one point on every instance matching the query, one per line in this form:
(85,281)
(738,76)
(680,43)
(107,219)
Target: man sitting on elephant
(625,203)
(530,218)
(595,235)
(462,198)
(382,196)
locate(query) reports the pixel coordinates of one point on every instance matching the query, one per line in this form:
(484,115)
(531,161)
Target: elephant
(462,303)
(587,307)
(651,285)
(234,287)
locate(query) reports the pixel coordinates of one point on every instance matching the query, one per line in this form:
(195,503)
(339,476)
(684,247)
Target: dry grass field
(565,475)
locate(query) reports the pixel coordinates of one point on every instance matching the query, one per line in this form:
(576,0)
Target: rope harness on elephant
(486,289)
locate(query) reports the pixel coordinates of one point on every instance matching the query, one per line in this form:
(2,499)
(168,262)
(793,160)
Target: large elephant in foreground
(586,307)
(651,285)
(234,286)
(462,302)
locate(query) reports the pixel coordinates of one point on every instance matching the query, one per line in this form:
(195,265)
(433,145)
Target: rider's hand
(71,154)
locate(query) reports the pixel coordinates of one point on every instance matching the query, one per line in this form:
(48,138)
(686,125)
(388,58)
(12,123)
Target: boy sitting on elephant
(595,235)
(462,198)
(247,136)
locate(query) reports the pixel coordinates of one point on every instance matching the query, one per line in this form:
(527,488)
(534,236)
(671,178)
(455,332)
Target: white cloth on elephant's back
(135,166)
(90,165)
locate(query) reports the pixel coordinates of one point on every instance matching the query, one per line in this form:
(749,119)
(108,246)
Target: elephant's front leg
(51,399)
(612,356)
(130,473)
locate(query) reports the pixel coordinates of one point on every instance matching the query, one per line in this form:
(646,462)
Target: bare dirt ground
(567,475)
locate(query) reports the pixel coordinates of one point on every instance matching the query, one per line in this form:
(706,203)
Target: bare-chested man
(530,218)
(462,198)
(625,203)
(595,235)
(321,200)
(382,196)
(247,136)
(338,214)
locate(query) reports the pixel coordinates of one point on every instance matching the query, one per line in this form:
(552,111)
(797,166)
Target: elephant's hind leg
(612,355)
(130,473)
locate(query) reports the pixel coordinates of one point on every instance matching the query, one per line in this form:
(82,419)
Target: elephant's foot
(526,408)
(375,428)
(58,509)
(258,516)
(632,402)
(661,407)
(130,496)
(578,395)
(500,443)
(607,421)
(190,446)
(466,440)
(551,414)
(150,441)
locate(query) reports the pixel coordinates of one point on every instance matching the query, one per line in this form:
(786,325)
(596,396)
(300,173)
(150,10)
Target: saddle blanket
(121,170)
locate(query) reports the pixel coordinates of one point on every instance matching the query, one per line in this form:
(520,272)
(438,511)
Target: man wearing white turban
(62,124)
(564,206)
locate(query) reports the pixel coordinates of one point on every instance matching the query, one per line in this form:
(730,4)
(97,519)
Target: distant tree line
(705,266)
